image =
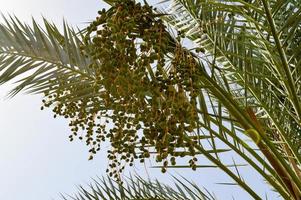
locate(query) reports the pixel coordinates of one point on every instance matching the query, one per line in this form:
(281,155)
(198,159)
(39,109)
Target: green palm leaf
(243,54)
(135,188)
(37,57)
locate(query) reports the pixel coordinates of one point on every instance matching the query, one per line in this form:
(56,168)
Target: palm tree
(196,78)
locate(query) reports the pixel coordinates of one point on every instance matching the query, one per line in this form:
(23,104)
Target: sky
(36,159)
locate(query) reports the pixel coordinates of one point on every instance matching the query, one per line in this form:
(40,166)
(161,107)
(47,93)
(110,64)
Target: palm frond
(35,57)
(136,188)
(244,56)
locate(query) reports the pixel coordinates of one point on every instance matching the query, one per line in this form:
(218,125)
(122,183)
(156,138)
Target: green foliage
(136,188)
(40,56)
(132,68)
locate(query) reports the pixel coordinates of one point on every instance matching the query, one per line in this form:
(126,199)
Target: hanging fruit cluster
(145,85)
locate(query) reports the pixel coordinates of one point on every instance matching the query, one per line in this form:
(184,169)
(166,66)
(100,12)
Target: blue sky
(36,159)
